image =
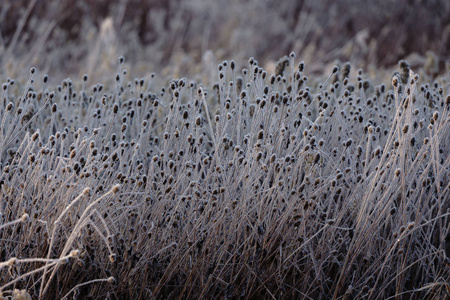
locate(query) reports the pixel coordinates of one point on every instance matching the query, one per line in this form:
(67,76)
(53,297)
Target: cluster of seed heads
(176,183)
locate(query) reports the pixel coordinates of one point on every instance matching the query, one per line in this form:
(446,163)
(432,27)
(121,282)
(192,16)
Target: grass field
(140,161)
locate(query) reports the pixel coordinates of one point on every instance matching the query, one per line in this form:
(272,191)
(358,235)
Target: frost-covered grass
(265,186)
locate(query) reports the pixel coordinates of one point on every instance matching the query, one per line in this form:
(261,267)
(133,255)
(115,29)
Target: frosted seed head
(10,106)
(405,128)
(35,136)
(74,253)
(436,115)
(112,257)
(25,217)
(316,158)
(87,191)
(335,69)
(395,81)
(115,189)
(261,134)
(198,121)
(301,66)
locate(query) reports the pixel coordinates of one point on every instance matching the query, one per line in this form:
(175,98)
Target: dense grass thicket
(264,186)
(242,180)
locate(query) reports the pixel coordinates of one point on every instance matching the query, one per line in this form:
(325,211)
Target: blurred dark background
(189,37)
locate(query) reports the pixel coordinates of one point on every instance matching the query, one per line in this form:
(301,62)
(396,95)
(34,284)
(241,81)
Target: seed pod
(115,189)
(25,217)
(261,134)
(35,136)
(410,225)
(316,158)
(112,257)
(395,81)
(436,115)
(335,69)
(198,121)
(10,106)
(405,128)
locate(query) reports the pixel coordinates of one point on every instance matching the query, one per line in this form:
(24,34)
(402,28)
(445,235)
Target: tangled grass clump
(266,186)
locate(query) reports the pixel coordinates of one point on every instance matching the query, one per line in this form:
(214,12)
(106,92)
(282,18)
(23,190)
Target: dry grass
(265,188)
(248,182)
(63,37)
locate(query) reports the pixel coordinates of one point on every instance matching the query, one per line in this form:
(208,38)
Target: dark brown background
(157,34)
